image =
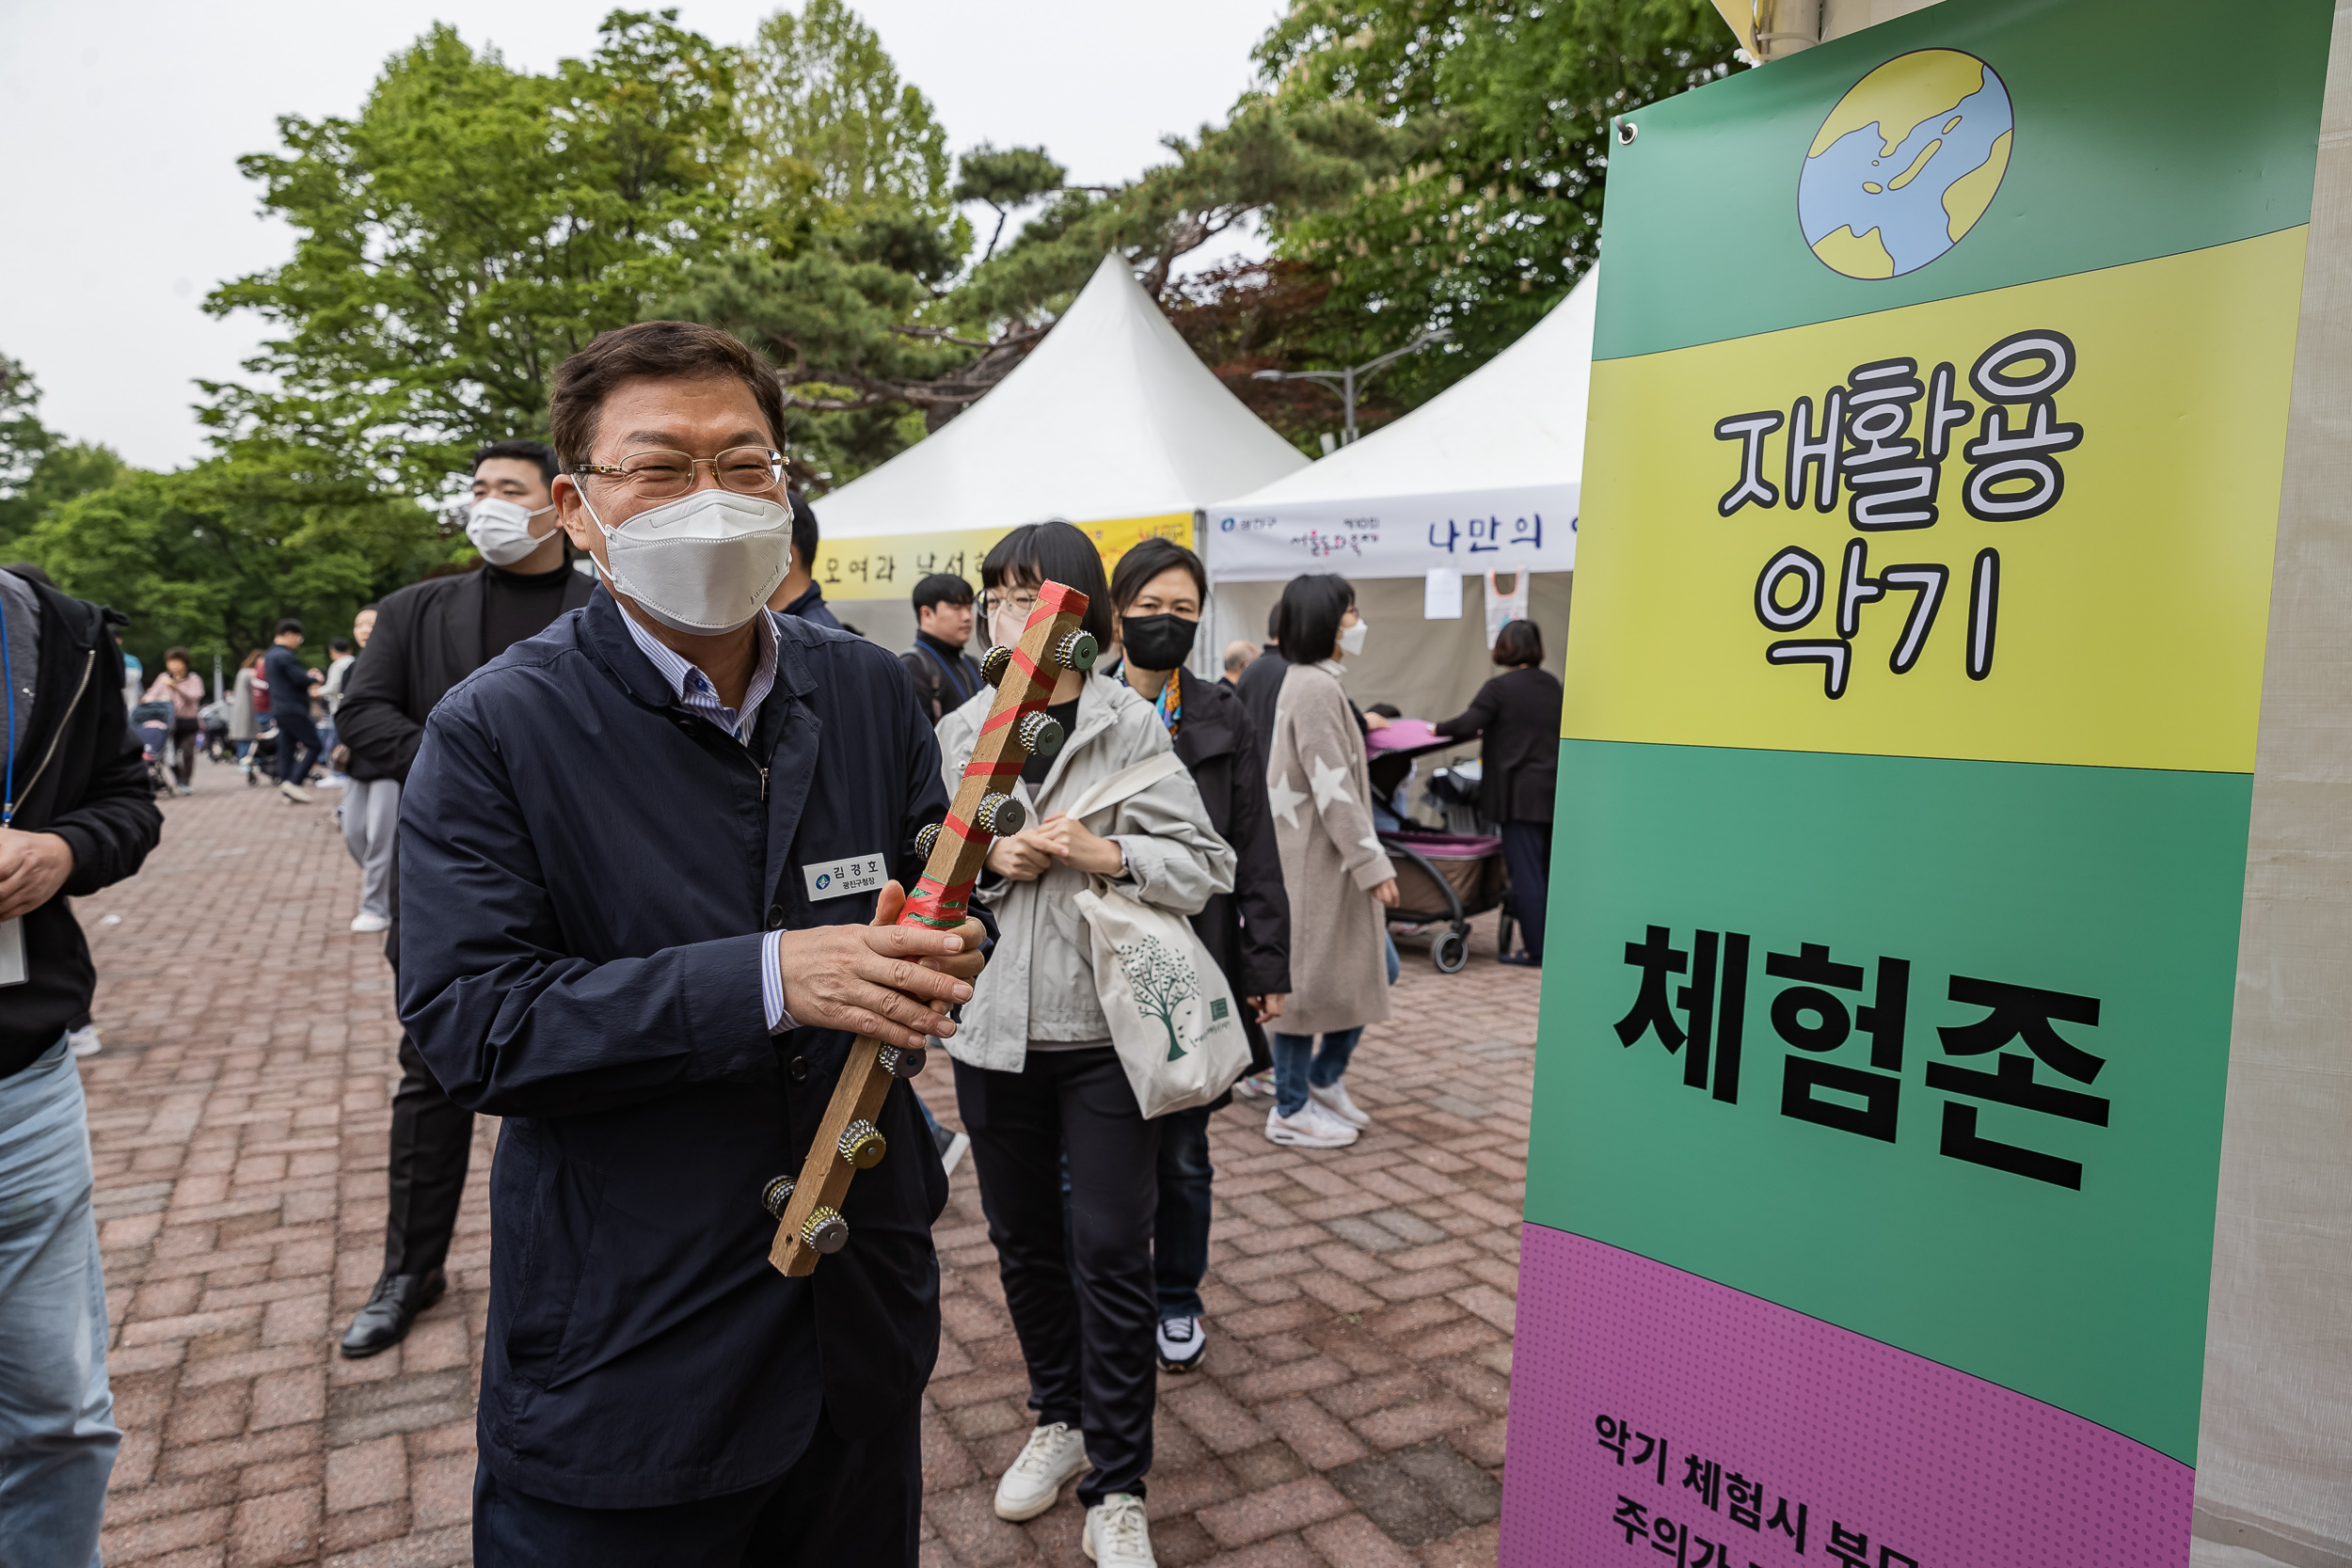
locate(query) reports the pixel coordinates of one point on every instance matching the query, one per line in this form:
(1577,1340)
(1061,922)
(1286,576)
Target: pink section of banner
(1730,1410)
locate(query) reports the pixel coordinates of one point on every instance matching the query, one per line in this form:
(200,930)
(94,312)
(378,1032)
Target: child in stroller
(152,722)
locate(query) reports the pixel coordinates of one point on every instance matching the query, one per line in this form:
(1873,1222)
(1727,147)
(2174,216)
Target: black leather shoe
(383,1323)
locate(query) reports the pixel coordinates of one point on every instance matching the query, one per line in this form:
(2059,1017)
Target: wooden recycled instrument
(809,1205)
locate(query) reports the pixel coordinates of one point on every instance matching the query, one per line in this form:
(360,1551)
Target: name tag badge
(13,970)
(840,878)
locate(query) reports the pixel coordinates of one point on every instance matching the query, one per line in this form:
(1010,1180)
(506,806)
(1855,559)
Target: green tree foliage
(210,558)
(1006,181)
(468,229)
(858,240)
(828,126)
(1500,111)
(39,467)
(1264,164)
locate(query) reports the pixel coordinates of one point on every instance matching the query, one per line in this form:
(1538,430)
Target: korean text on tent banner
(1939,410)
(887,566)
(1398,536)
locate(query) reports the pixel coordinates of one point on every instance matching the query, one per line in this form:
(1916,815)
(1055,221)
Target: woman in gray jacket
(1037,1075)
(1338,876)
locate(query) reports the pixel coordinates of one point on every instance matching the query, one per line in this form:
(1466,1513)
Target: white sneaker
(84,1042)
(1118,1535)
(1183,1344)
(296,793)
(1048,1460)
(1312,1127)
(1255,1086)
(1335,1100)
(363,922)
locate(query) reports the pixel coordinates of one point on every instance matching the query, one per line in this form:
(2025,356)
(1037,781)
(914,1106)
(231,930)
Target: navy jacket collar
(606,639)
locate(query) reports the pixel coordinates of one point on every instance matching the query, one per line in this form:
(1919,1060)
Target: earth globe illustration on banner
(1905,163)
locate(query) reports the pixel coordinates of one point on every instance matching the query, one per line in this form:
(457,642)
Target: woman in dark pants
(1159,590)
(1038,1080)
(1517,716)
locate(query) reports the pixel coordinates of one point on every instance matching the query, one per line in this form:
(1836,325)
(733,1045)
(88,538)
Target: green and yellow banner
(1939,409)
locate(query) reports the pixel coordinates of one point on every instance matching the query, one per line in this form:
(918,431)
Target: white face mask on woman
(500,530)
(704,563)
(1352,638)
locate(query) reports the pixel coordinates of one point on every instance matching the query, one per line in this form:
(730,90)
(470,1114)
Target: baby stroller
(1443,876)
(260,758)
(152,722)
(1443,879)
(214,718)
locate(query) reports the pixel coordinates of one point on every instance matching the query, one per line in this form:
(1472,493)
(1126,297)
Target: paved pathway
(1350,1414)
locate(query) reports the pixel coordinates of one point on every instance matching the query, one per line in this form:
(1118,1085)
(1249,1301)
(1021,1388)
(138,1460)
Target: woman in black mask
(1159,591)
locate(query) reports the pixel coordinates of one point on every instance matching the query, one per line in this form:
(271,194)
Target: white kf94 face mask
(704,563)
(500,530)
(1352,638)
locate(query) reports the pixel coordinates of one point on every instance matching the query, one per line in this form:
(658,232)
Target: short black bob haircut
(803,529)
(942,588)
(1148,560)
(1055,551)
(1520,642)
(1312,608)
(526,452)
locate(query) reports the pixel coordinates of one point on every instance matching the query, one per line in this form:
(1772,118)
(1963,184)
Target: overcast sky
(124,120)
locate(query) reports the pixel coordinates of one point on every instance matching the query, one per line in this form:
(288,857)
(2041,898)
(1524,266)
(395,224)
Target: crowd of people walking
(564,956)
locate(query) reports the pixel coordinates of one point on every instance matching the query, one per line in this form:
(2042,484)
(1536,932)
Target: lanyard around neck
(8,678)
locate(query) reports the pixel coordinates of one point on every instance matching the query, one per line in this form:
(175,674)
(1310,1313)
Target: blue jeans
(1180,1236)
(57,1436)
(1297,1064)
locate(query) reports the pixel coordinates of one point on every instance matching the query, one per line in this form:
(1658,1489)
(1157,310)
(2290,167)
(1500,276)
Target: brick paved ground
(1351,1411)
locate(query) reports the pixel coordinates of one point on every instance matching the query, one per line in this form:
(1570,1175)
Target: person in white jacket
(1038,1076)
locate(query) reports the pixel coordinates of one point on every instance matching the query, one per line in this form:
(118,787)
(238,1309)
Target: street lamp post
(1345,382)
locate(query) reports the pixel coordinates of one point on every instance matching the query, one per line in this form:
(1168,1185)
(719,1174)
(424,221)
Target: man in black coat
(944,674)
(1260,684)
(641,858)
(76,813)
(428,637)
(799,594)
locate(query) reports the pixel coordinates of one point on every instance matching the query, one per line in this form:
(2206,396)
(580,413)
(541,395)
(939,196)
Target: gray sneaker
(1117,1535)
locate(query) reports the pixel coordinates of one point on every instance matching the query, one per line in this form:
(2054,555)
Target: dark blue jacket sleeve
(509,1022)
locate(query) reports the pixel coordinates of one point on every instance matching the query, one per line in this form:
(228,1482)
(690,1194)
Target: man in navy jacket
(621,851)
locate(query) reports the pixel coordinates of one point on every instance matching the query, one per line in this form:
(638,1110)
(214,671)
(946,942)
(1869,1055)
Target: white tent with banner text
(1483,477)
(1112,422)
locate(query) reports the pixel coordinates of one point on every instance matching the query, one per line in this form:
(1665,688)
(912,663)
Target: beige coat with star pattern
(1320,796)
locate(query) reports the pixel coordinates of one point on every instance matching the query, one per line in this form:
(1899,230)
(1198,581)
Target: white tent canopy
(1112,422)
(1483,477)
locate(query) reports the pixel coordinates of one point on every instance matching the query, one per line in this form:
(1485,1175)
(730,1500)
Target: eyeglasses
(1024,602)
(659,475)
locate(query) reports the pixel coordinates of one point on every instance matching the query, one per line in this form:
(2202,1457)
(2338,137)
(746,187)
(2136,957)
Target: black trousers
(1527,855)
(432,1143)
(297,745)
(840,1503)
(1084,1308)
